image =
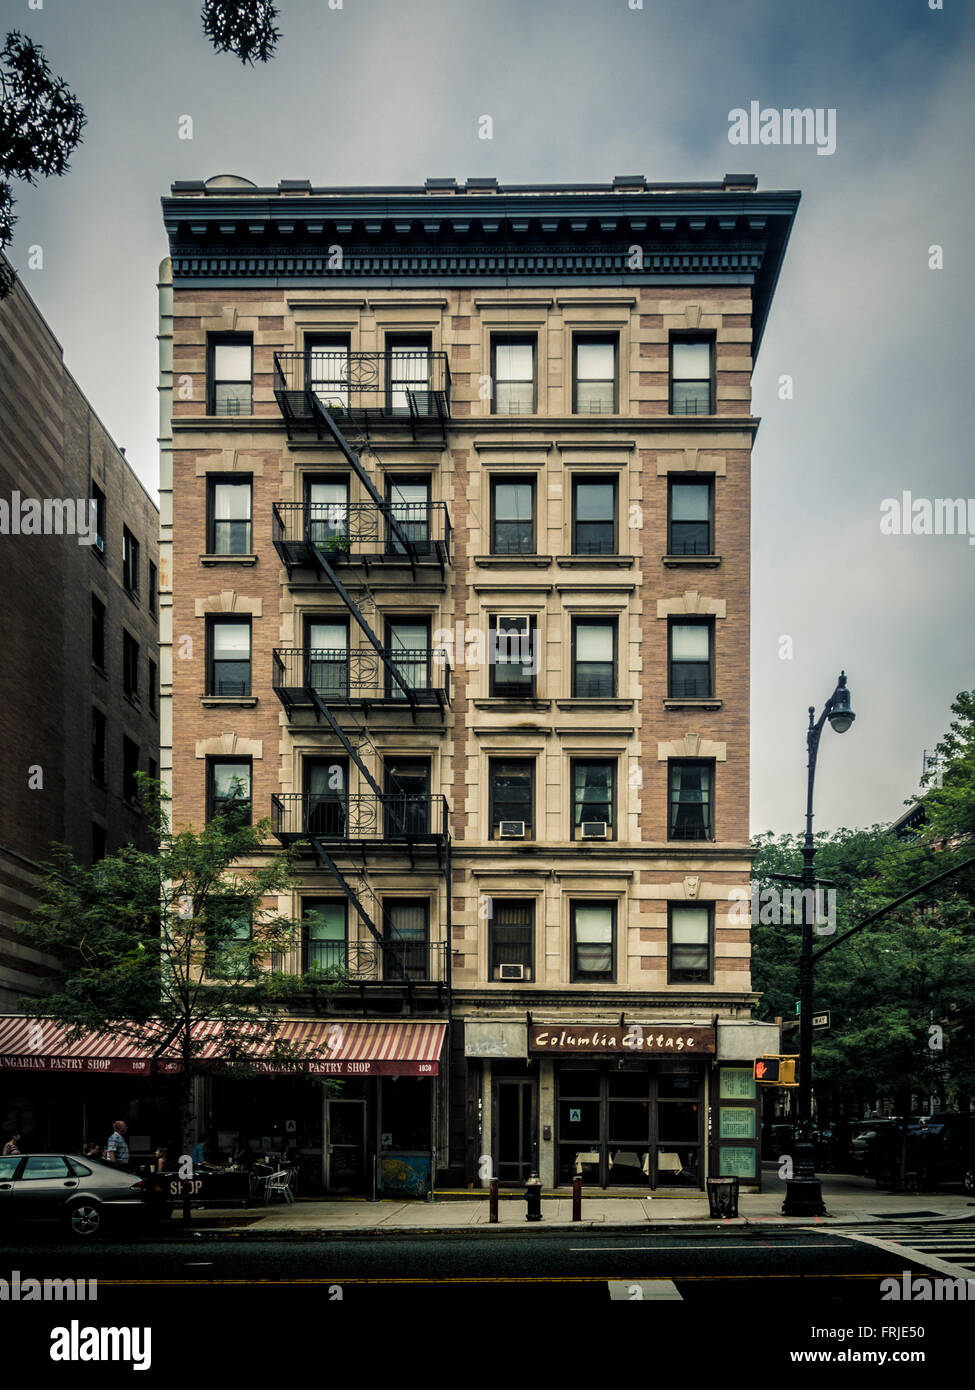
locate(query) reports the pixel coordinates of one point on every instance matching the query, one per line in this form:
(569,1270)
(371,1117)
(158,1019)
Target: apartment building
(79,687)
(455,585)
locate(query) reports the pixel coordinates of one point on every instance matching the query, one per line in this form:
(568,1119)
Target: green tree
(245,28)
(901,992)
(41,123)
(155,943)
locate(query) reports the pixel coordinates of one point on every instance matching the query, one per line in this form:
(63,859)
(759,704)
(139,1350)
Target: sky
(876,341)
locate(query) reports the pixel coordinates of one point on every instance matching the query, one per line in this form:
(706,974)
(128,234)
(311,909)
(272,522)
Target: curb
(240,1233)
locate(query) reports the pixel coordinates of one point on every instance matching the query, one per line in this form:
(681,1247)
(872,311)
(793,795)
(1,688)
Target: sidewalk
(849,1200)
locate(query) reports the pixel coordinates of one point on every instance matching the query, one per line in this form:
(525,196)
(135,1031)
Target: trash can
(723,1196)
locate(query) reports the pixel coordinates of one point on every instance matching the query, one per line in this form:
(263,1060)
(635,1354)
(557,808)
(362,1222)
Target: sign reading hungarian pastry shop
(639,1039)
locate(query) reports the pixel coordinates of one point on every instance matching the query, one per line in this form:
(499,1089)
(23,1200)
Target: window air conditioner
(511,830)
(510,972)
(595,830)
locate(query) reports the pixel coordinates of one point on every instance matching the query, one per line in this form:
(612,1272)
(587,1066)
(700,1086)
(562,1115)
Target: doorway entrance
(515,1110)
(345,1145)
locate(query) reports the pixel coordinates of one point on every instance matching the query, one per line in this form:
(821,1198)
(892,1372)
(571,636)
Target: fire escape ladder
(327,862)
(343,738)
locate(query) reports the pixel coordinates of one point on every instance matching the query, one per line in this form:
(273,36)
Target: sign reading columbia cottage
(641,1039)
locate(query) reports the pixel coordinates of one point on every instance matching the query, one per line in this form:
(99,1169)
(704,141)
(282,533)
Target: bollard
(576,1199)
(493,1200)
(533,1197)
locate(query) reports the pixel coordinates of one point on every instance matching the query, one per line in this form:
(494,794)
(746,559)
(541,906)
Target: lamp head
(841,716)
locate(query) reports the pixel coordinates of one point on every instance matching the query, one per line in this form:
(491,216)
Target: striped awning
(312,1046)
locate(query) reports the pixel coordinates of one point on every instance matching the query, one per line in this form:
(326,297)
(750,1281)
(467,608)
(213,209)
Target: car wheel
(85,1220)
(968,1181)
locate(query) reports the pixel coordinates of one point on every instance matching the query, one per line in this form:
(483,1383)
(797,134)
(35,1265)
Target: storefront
(632,1105)
(358,1105)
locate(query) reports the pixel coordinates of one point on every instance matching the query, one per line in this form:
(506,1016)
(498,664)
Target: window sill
(209,559)
(243,701)
(704,702)
(512,562)
(585,702)
(132,700)
(702,561)
(600,561)
(132,594)
(511,702)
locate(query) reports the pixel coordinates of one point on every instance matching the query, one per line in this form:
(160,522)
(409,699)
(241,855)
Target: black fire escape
(340,544)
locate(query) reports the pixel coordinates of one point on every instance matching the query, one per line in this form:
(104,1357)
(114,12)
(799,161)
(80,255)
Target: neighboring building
(79,677)
(512,427)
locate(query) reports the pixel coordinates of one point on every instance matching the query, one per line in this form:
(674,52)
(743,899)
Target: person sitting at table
(242,1156)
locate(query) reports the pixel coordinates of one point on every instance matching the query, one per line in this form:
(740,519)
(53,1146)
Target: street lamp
(804,1195)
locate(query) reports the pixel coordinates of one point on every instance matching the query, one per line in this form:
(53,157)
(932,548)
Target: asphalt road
(703,1264)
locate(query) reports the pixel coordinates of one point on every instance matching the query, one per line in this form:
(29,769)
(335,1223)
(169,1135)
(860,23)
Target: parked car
(783,1139)
(82,1193)
(870,1140)
(943,1150)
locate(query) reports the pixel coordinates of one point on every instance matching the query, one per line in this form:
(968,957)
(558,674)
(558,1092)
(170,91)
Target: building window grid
(593,794)
(229,665)
(511,789)
(691,659)
(594,657)
(690,522)
(593,940)
(513,516)
(594,375)
(513,375)
(690,954)
(511,935)
(512,662)
(230,374)
(691,812)
(130,666)
(229,790)
(97,632)
(594,516)
(230,508)
(130,561)
(692,376)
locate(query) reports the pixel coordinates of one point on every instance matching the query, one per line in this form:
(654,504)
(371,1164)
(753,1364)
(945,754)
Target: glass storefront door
(345,1154)
(631,1126)
(516,1129)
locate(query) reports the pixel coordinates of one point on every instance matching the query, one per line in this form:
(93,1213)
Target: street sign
(775,1071)
(821,1020)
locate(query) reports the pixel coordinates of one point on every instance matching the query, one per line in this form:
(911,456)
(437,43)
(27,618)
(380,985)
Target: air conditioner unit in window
(595,830)
(510,972)
(511,830)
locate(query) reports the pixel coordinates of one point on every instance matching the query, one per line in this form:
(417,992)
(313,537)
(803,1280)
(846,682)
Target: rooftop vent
(229,181)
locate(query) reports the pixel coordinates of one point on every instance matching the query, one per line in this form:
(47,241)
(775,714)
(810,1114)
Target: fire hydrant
(533,1197)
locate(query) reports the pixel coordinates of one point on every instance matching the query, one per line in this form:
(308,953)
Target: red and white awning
(314,1047)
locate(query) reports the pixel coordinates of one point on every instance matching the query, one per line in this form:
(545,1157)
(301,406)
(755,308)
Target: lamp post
(804,1195)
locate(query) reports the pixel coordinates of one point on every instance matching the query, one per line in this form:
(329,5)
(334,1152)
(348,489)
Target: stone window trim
(229,601)
(229,745)
(692,746)
(691,602)
(230,461)
(691,461)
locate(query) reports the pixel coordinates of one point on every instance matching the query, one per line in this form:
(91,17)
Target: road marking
(921,1257)
(677,1249)
(651,1291)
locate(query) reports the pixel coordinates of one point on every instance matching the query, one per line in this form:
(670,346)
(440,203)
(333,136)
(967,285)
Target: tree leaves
(245,28)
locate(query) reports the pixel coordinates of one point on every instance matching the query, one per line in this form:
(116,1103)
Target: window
(511,933)
(130,766)
(130,666)
(408,502)
(153,769)
(99,842)
(594,376)
(690,376)
(100,517)
(690,801)
(593,928)
(327,503)
(230,375)
(327,797)
(512,516)
(511,791)
(327,369)
(153,687)
(512,657)
(408,368)
(407,788)
(228,927)
(98,747)
(97,632)
(690,660)
(45,1166)
(229,509)
(153,589)
(689,946)
(513,374)
(409,650)
(327,653)
(593,516)
(230,658)
(407,932)
(593,658)
(130,561)
(690,518)
(324,934)
(593,797)
(229,791)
